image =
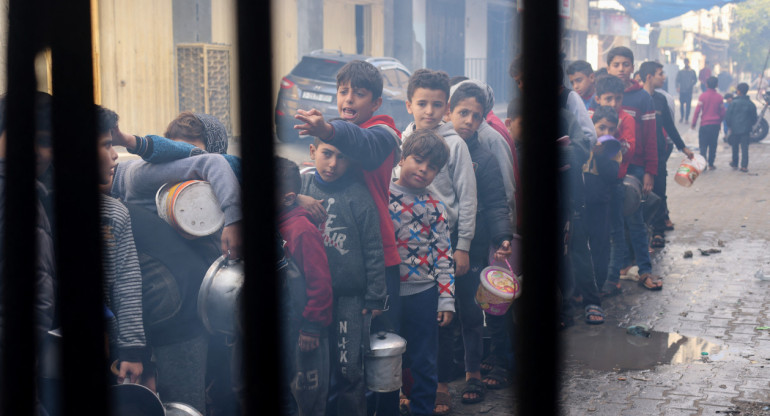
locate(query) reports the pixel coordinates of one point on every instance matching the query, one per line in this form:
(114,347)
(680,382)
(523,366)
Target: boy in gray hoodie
(455,185)
(351,235)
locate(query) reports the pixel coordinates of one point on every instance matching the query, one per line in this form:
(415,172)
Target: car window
(390,77)
(318,68)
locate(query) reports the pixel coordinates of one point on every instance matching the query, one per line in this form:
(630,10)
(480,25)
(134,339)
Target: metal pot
(219,295)
(180,409)
(134,400)
(383,362)
(633,194)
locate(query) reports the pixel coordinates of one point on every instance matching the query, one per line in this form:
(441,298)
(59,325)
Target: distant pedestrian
(685,81)
(713,111)
(740,118)
(724,80)
(703,75)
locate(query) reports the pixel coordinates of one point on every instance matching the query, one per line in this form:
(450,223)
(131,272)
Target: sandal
(594,311)
(501,378)
(473,386)
(610,289)
(650,282)
(403,405)
(658,242)
(442,399)
(490,363)
(669,226)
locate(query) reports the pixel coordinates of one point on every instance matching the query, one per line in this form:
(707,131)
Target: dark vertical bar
(260,290)
(78,237)
(18,285)
(538,340)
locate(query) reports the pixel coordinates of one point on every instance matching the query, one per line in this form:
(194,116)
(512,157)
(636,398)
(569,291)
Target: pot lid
(386,344)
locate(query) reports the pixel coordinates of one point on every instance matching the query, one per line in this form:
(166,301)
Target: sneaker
(744,169)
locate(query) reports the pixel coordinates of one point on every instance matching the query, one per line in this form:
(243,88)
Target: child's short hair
(514,109)
(186,125)
(580,66)
(649,68)
(468,90)
(427,145)
(517,65)
(428,79)
(361,74)
(742,88)
(457,79)
(620,51)
(287,175)
(43,104)
(609,83)
(729,95)
(106,120)
(712,82)
(605,112)
(601,72)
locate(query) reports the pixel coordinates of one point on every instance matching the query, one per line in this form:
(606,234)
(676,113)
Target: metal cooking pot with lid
(383,362)
(180,409)
(219,295)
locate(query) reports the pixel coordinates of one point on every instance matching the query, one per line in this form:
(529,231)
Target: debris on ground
(709,251)
(638,331)
(688,254)
(720,243)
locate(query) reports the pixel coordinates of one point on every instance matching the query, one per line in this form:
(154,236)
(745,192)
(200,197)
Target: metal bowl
(219,295)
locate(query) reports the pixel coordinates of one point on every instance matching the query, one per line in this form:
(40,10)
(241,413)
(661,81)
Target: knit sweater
(138,181)
(122,286)
(351,236)
(638,104)
(422,233)
(455,185)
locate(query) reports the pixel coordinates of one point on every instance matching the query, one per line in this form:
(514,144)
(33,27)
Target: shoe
(650,282)
(712,167)
(734,165)
(744,169)
(669,225)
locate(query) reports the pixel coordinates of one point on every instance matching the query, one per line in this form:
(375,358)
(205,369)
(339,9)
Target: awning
(650,11)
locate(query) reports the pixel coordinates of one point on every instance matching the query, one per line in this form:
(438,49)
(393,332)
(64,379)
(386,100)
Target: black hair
(686,61)
(287,175)
(457,79)
(43,104)
(428,79)
(601,72)
(605,112)
(514,109)
(609,83)
(468,90)
(580,66)
(106,120)
(742,88)
(620,51)
(428,145)
(649,68)
(516,66)
(729,96)
(361,74)
(712,82)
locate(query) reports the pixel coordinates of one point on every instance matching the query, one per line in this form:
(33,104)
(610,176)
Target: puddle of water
(611,349)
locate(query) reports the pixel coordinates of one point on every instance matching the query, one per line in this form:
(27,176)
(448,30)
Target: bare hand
(688,152)
(232,240)
(122,139)
(375,312)
(504,251)
(307,343)
(462,262)
(444,318)
(315,125)
(649,180)
(131,370)
(314,207)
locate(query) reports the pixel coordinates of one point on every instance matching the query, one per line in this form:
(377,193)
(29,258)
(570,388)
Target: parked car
(313,84)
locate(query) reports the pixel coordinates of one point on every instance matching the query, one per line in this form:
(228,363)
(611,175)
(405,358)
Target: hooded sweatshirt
(455,185)
(638,104)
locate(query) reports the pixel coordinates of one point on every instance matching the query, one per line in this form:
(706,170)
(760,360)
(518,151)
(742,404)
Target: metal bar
(19,268)
(537,338)
(260,304)
(78,236)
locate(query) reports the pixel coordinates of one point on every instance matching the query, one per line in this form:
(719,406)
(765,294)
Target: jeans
(742,141)
(659,188)
(707,140)
(581,263)
(597,224)
(685,100)
(637,230)
(617,234)
(471,319)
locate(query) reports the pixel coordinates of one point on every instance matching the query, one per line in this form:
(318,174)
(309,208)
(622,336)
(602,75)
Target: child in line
(581,76)
(307,337)
(427,279)
(354,250)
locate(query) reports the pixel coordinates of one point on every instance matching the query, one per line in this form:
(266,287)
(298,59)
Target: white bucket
(689,170)
(191,207)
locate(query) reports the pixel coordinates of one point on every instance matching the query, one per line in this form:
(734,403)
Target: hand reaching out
(315,125)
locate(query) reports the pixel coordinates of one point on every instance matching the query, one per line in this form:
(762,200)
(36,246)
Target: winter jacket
(493,224)
(498,148)
(577,107)
(638,104)
(304,245)
(686,80)
(626,134)
(455,185)
(711,103)
(351,236)
(376,146)
(422,232)
(741,115)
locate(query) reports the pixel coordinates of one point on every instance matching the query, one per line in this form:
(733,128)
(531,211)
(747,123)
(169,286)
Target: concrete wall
(224,30)
(476,37)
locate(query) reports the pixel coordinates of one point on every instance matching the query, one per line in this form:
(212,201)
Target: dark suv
(313,84)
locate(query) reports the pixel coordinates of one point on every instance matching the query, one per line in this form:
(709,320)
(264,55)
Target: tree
(749,35)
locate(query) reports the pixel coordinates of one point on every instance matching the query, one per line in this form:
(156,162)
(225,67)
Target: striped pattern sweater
(122,287)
